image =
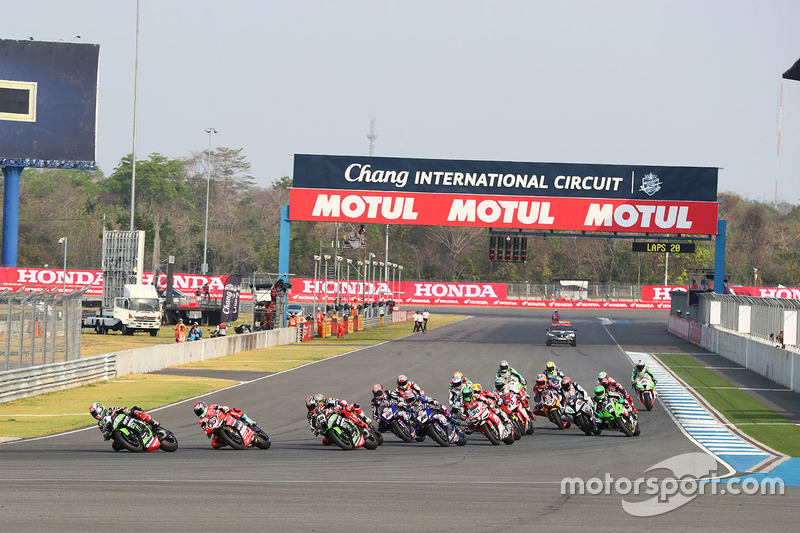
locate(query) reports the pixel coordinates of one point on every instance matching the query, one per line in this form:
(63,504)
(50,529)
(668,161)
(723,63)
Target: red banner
(41,279)
(493,211)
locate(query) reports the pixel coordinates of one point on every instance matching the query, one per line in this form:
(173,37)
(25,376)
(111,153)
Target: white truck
(128,304)
(138,309)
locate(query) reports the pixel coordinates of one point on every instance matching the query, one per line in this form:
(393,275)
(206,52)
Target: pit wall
(777,364)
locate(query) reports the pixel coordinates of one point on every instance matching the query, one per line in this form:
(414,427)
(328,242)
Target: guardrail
(35,380)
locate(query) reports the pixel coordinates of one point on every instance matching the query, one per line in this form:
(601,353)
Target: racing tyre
(400,428)
(370,440)
(491,433)
(168,441)
(131,440)
(339,440)
(231,437)
(623,427)
(548,343)
(519,430)
(262,440)
(438,434)
(647,399)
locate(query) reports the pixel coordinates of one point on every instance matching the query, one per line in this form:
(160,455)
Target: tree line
(244,226)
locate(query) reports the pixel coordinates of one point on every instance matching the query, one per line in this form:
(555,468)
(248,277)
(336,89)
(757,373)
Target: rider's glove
(155,424)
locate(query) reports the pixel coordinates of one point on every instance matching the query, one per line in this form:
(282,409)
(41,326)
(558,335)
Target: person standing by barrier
(320,322)
(425,316)
(180,331)
(342,328)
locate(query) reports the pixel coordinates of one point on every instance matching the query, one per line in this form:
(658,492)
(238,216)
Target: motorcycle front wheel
(231,437)
(491,433)
(438,434)
(342,441)
(262,440)
(370,440)
(401,429)
(624,427)
(168,441)
(131,440)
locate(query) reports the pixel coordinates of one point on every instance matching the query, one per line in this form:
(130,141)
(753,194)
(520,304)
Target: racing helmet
(503,366)
(96,410)
(500,384)
(605,382)
(466,394)
(476,388)
(540,382)
(377,390)
(550,367)
(640,365)
(566,384)
(200,408)
(458,379)
(402,381)
(601,375)
(599,391)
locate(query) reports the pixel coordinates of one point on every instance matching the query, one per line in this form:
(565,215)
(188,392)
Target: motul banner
(575,214)
(505,178)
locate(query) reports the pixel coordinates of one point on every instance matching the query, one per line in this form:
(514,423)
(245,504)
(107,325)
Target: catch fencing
(763,318)
(39,328)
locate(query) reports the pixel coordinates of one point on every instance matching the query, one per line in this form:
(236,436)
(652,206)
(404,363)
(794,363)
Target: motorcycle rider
(611,385)
(571,390)
(407,389)
(456,384)
(381,398)
(553,373)
(540,388)
(98,412)
(318,404)
(639,371)
(508,373)
(206,412)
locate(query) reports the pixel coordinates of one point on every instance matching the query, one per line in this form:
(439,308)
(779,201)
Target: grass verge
(279,358)
(68,409)
(742,410)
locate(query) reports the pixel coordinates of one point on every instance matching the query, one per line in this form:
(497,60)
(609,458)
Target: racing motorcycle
(646,388)
(235,432)
(343,432)
(512,406)
(135,435)
(430,419)
(392,417)
(582,413)
(553,410)
(479,417)
(363,422)
(613,413)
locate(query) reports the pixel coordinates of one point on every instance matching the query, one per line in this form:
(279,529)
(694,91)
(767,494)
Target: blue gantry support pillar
(719,258)
(10,215)
(283,251)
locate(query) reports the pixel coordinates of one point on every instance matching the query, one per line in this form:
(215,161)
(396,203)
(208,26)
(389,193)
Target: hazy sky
(691,83)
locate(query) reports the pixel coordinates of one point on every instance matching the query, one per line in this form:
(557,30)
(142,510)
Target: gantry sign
(502,194)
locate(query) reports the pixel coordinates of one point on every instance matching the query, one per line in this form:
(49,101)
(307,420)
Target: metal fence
(757,317)
(594,291)
(39,328)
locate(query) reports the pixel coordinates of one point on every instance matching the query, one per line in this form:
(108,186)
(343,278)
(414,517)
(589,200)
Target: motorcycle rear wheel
(131,441)
(491,433)
(168,441)
(231,437)
(401,429)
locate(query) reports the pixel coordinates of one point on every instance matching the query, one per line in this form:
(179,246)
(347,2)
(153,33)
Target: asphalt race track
(75,482)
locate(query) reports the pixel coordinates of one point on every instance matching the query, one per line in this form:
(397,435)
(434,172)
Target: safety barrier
(763,357)
(34,380)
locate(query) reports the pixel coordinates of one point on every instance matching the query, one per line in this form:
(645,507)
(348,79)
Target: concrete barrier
(161,356)
(35,380)
(761,356)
